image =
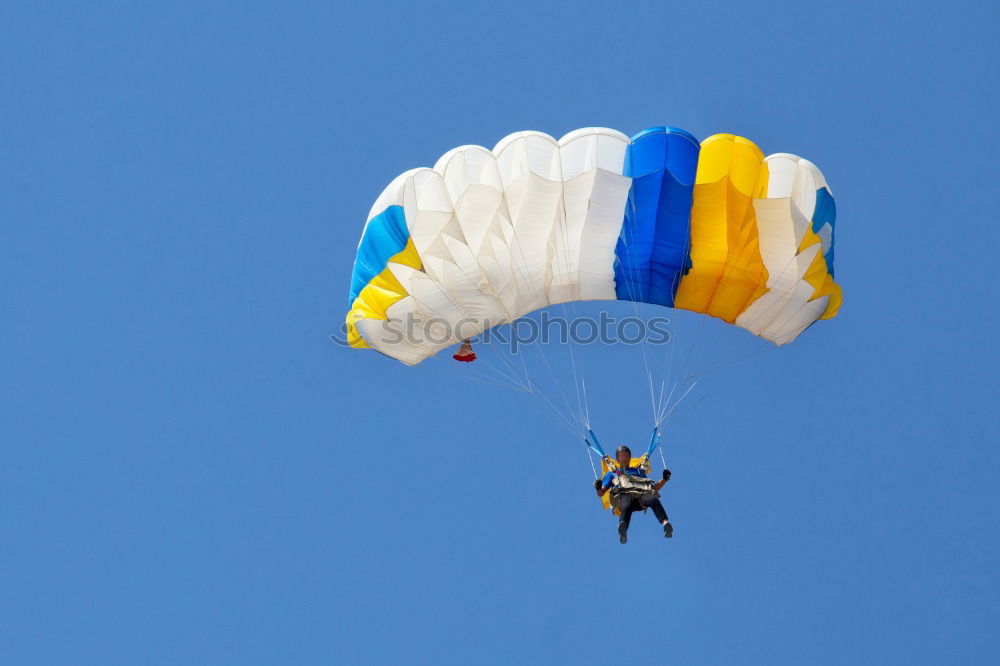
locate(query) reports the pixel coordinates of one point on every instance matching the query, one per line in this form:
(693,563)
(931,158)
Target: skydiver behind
(631,491)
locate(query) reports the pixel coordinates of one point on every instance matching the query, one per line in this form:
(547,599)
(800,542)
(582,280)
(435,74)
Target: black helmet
(623,448)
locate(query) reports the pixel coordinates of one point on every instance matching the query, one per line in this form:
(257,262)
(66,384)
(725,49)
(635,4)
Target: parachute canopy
(486,237)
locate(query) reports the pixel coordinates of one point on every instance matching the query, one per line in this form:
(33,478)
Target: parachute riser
(654,441)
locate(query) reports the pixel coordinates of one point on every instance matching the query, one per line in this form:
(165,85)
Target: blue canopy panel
(653,249)
(385,236)
(826,212)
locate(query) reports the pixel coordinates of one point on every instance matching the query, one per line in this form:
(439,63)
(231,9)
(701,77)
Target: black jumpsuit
(627,503)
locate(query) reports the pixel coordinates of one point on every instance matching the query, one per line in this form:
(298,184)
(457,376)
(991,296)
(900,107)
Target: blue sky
(193,473)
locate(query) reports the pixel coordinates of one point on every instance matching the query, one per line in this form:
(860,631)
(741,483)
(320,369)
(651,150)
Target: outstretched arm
(600,487)
(662,482)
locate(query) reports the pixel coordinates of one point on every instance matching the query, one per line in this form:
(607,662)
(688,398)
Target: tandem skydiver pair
(626,487)
(630,490)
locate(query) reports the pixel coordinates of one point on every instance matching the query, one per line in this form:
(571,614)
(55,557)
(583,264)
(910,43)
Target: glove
(598,484)
(666,475)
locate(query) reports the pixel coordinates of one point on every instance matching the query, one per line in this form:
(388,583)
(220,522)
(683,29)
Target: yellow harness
(608,465)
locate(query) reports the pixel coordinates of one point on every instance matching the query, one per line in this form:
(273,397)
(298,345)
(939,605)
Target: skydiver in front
(631,491)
